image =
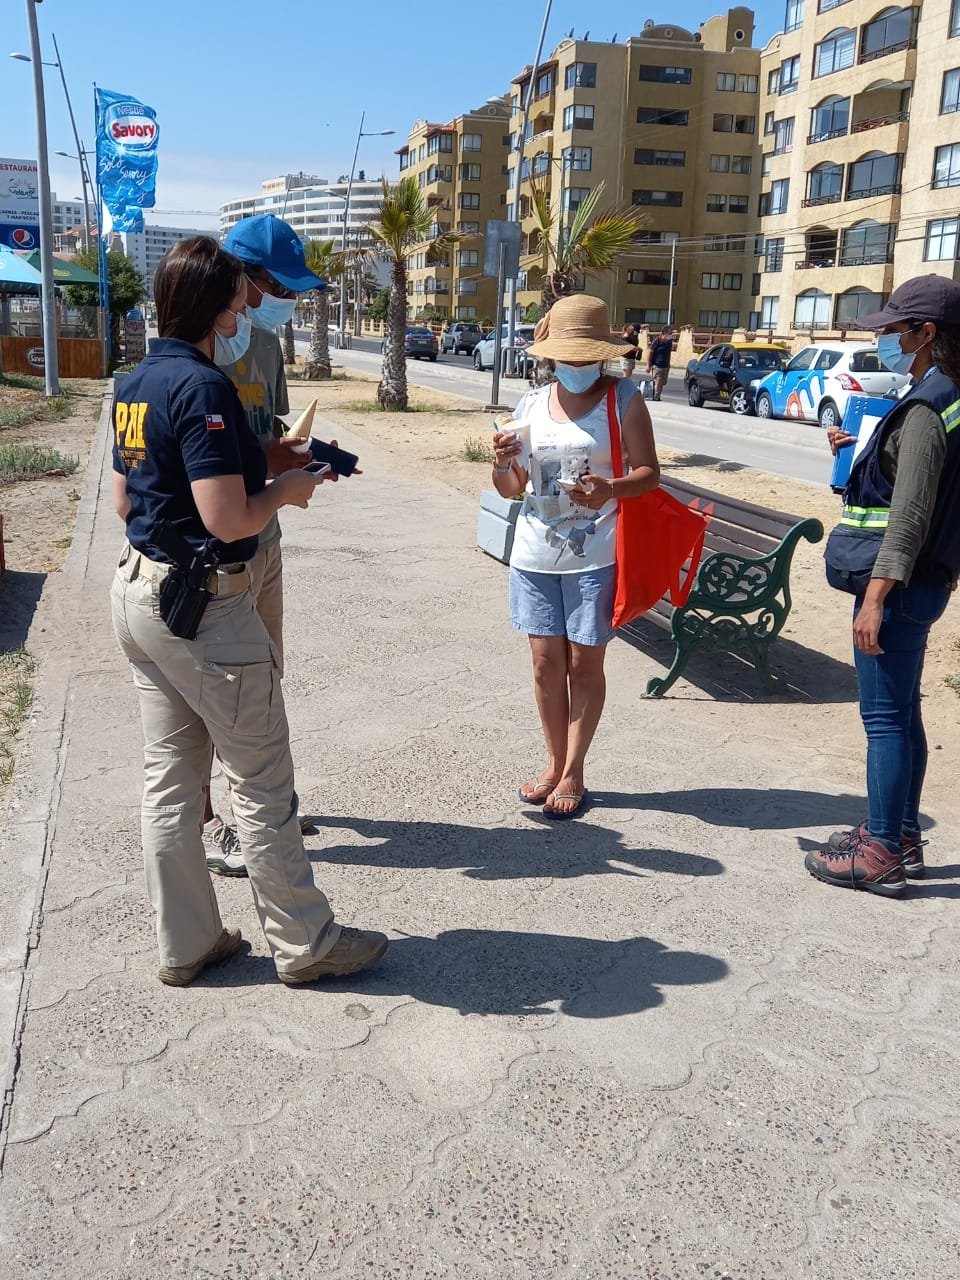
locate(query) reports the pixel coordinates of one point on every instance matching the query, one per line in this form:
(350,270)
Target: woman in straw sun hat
(556,452)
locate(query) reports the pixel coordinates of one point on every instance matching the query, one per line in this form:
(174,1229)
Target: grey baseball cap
(929,297)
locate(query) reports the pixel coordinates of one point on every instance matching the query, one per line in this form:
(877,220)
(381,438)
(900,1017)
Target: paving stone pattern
(640,1045)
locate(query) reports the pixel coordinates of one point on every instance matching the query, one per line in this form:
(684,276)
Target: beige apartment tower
(861,167)
(668,120)
(461,169)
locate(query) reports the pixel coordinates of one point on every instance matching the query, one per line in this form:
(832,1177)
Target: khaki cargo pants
(266,584)
(222,687)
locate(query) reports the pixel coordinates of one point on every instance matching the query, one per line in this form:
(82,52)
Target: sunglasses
(266,284)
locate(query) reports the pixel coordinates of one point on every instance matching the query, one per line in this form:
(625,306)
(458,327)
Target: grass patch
(17,670)
(22,401)
(338,375)
(371,406)
(32,461)
(475,449)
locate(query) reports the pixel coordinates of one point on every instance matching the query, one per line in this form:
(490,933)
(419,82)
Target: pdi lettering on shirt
(128,425)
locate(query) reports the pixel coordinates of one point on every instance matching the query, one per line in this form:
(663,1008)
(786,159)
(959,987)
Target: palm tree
(324,261)
(591,244)
(404,221)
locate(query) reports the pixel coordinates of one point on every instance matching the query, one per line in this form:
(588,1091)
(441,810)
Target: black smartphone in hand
(343,463)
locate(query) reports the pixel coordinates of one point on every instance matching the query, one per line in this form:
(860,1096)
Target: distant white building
(148,246)
(313,206)
(66,213)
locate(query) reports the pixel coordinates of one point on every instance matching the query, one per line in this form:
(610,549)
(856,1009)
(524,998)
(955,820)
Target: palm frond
(609,235)
(581,219)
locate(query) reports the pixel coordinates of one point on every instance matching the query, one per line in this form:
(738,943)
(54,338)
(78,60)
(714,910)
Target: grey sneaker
(220,844)
(354,950)
(227,945)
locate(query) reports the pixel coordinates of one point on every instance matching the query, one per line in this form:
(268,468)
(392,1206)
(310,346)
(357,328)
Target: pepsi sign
(16,235)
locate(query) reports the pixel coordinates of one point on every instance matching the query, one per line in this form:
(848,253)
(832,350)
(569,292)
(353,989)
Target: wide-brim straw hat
(576,328)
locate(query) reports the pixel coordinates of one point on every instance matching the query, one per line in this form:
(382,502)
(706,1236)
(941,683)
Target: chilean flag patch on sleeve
(214,421)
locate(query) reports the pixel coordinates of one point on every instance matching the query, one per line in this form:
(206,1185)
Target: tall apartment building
(461,169)
(148,246)
(313,206)
(861,172)
(668,121)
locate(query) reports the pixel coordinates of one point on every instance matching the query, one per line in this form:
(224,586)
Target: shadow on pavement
(534,852)
(492,971)
(19,596)
(754,808)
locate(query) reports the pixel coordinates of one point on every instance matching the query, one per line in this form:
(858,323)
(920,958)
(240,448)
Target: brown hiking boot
(227,945)
(911,846)
(354,950)
(863,863)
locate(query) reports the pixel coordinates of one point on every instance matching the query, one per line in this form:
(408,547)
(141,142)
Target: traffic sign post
(501,259)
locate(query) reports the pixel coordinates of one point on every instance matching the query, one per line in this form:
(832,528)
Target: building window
(579,116)
(669,159)
(768,123)
(744,124)
(716,204)
(574,197)
(404,159)
(662,115)
(581,75)
(471,142)
(466,286)
(650,277)
(544,84)
(729,319)
(867,243)
(726,82)
(439,142)
(854,304)
(875,175)
(741,164)
(708,319)
(779,196)
(719,164)
(748,84)
(469,172)
(466,313)
(831,119)
(824,184)
(578,158)
(662,199)
(950,94)
(955,18)
(468,258)
(793,18)
(946,166)
(666,75)
(835,53)
(469,200)
(887,33)
(783,137)
(468,228)
(769,312)
(738,204)
(710,280)
(943,235)
(733,280)
(647,315)
(440,173)
(812,310)
(790,75)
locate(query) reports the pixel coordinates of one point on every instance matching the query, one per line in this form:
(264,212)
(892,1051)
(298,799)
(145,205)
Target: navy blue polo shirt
(177,418)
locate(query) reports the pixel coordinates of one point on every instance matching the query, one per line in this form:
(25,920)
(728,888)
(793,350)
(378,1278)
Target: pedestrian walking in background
(628,360)
(190,481)
(557,454)
(897,550)
(658,360)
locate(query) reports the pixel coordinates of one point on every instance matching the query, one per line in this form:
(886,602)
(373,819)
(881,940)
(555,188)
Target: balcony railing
(437,286)
(825,137)
(877,122)
(885,52)
(816,263)
(812,201)
(879,257)
(785,150)
(892,189)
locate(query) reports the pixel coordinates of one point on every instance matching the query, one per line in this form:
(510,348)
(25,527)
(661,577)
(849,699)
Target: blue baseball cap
(267,241)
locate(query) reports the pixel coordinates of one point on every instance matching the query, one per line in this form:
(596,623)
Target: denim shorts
(576,605)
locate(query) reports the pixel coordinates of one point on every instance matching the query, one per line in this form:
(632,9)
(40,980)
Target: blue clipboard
(860,418)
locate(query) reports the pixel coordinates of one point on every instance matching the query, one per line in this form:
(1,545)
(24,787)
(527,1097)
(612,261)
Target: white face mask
(228,350)
(272,313)
(578,378)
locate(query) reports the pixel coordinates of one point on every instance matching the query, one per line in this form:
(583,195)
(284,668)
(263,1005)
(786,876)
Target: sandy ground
(817,715)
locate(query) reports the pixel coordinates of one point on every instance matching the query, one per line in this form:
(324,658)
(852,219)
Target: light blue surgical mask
(892,353)
(272,313)
(227,351)
(578,378)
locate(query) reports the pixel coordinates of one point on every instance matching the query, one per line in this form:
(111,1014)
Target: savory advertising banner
(127,137)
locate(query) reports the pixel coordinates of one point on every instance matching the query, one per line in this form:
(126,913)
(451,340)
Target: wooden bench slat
(681,489)
(751,541)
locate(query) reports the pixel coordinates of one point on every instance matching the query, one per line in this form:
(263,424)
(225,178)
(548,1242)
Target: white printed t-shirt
(553,534)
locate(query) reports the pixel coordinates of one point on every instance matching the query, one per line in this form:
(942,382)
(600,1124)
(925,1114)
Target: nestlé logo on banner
(129,126)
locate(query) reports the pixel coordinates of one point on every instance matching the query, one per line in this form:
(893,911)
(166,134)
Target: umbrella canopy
(17,275)
(64,272)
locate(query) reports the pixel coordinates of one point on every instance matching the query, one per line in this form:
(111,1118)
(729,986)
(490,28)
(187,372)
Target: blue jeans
(890,709)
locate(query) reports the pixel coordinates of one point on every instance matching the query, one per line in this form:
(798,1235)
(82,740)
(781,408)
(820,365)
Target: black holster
(183,596)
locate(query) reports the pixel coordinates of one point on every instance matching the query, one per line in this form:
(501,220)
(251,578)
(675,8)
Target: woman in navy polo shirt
(184,454)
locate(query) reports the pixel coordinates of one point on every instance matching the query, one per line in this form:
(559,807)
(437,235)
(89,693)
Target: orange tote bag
(657,538)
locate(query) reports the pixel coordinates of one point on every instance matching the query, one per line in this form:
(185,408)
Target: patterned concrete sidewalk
(644,1044)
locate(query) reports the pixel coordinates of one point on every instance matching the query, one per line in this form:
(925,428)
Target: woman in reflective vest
(897,550)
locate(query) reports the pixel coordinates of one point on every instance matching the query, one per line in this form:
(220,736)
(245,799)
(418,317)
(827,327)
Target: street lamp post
(378,133)
(84,179)
(51,370)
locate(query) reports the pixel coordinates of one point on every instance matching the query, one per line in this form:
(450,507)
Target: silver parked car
(483,351)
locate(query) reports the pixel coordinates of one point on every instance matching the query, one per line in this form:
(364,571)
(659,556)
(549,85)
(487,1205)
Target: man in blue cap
(277,273)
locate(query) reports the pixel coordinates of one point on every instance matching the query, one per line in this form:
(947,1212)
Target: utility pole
(51,369)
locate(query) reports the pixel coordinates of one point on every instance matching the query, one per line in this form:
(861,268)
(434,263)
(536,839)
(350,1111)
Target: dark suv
(461,338)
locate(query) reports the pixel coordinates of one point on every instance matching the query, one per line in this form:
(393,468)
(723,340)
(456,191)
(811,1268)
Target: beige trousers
(222,687)
(266,584)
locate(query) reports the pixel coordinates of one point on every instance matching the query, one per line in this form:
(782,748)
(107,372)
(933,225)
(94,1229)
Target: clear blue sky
(248,89)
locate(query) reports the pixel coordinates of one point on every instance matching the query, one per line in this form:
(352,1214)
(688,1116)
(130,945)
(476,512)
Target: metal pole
(346,220)
(498,333)
(47,300)
(521,142)
(76,138)
(673,267)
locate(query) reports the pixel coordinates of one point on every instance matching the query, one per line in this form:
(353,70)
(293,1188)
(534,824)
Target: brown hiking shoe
(354,950)
(863,863)
(911,846)
(227,945)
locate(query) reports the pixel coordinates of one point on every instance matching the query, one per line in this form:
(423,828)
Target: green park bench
(741,594)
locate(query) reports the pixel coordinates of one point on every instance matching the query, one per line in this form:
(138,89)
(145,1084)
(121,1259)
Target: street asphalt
(643,1044)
